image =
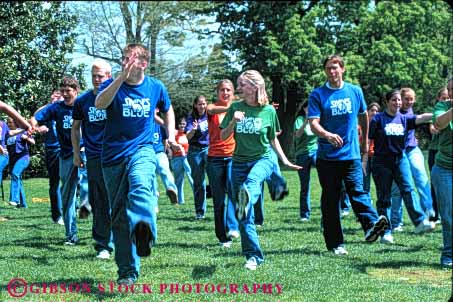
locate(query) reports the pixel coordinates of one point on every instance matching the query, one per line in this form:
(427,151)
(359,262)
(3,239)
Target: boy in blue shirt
(333,111)
(61,113)
(92,122)
(128,158)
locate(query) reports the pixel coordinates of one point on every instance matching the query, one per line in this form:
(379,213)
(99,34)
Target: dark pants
(331,176)
(53,169)
(431,156)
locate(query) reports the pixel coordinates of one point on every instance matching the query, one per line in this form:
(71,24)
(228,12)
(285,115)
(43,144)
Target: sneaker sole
(143,237)
(173,196)
(378,228)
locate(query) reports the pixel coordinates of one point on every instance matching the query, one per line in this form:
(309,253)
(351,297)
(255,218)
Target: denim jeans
(129,188)
(83,184)
(163,170)
(306,161)
(102,229)
(331,176)
(421,180)
(251,175)
(258,207)
(197,158)
(4,159)
(53,170)
(219,174)
(442,181)
(17,192)
(181,167)
(387,169)
(367,176)
(69,175)
(431,157)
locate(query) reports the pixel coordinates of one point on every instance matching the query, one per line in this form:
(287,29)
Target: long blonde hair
(257,80)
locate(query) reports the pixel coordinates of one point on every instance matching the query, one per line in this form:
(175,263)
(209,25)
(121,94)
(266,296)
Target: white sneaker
(251,264)
(104,254)
(398,229)
(304,219)
(344,213)
(340,251)
(243,202)
(13,203)
(60,221)
(424,226)
(233,234)
(226,245)
(387,239)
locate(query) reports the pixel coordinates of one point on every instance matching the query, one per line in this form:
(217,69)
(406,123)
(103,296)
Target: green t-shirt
(444,155)
(253,133)
(308,142)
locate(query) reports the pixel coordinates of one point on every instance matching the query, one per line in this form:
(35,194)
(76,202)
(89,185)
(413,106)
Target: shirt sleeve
(77,113)
(373,127)
(46,114)
(314,105)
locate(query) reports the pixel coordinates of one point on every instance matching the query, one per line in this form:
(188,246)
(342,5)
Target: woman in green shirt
(254,123)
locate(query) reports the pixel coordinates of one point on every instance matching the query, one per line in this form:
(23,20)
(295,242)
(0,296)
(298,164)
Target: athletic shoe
(398,229)
(13,203)
(280,192)
(143,237)
(339,251)
(251,264)
(424,226)
(59,221)
(83,212)
(199,217)
(304,219)
(103,254)
(226,245)
(173,195)
(71,242)
(387,239)
(259,226)
(126,281)
(233,234)
(377,229)
(243,202)
(447,264)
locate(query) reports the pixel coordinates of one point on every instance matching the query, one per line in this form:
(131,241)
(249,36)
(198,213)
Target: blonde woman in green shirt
(254,124)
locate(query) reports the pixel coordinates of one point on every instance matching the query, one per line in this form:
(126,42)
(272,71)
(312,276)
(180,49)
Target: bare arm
(318,130)
(11,112)
(75,140)
(226,132)
(158,119)
(29,139)
(216,109)
(363,123)
(278,149)
(423,118)
(444,119)
(299,132)
(169,118)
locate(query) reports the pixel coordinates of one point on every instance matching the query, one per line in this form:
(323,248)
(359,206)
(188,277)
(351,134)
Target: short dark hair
(392,92)
(336,58)
(70,82)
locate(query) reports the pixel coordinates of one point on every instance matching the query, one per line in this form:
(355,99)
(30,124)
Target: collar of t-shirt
(330,87)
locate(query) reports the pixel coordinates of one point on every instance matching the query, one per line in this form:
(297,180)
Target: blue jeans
(83,184)
(163,170)
(258,207)
(387,169)
(130,192)
(431,157)
(53,170)
(4,159)
(442,182)
(306,161)
(69,175)
(251,175)
(421,180)
(197,158)
(219,174)
(17,192)
(332,175)
(102,229)
(181,167)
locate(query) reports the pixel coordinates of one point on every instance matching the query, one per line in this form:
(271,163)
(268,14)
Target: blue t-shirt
(93,122)
(4,131)
(51,138)
(17,148)
(390,133)
(411,141)
(337,110)
(201,136)
(159,135)
(62,115)
(130,118)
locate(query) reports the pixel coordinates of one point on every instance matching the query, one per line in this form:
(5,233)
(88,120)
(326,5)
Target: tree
(34,46)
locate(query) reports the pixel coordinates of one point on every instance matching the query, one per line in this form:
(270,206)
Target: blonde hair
(226,82)
(141,51)
(102,64)
(257,80)
(406,90)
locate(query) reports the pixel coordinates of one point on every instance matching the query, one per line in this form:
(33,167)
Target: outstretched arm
(278,149)
(11,112)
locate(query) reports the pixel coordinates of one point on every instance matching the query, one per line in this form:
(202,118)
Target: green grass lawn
(297,267)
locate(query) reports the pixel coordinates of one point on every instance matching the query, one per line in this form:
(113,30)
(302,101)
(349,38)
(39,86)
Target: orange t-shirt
(217,146)
(181,138)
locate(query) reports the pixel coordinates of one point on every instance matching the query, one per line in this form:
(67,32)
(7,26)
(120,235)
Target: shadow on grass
(52,287)
(194,228)
(180,245)
(203,272)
